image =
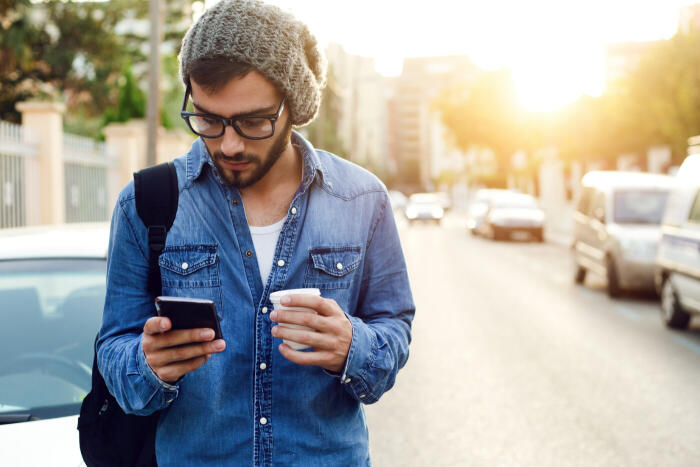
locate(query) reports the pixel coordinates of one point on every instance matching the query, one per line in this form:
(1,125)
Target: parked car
(678,273)
(478,206)
(617,228)
(424,207)
(52,290)
(513,214)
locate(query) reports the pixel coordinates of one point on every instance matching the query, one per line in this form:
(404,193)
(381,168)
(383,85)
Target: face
(242,162)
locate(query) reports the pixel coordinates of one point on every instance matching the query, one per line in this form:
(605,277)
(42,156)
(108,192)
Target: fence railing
(18,173)
(87,164)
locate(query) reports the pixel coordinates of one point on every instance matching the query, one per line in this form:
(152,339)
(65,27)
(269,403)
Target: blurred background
(543,164)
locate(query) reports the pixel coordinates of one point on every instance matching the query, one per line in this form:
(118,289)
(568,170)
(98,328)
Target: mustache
(236,158)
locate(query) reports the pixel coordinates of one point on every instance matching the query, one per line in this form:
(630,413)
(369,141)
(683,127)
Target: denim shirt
(249,405)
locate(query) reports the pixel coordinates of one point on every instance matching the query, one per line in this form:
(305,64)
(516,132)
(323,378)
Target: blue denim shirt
(234,410)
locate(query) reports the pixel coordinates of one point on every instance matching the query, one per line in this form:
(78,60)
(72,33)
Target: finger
(172,355)
(302,318)
(316,340)
(171,373)
(156,325)
(320,358)
(154,342)
(323,306)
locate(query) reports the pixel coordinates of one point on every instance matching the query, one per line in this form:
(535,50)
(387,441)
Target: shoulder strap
(156,193)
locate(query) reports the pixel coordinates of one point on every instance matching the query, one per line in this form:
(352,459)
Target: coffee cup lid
(275,297)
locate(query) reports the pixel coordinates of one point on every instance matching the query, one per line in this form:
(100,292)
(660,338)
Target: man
(260,210)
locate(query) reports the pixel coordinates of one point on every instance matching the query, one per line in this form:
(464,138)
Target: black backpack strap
(156,193)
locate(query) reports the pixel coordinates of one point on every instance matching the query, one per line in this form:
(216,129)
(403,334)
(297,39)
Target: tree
(485,113)
(77,52)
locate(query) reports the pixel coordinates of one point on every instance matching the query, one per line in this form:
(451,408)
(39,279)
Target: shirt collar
(198,157)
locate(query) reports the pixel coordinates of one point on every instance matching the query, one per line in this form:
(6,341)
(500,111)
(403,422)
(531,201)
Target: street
(513,365)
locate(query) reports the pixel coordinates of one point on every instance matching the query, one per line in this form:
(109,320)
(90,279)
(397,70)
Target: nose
(231,142)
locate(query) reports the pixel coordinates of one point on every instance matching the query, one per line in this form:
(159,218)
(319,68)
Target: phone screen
(189,313)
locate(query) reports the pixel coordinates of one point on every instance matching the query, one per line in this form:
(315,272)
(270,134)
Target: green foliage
(76,53)
(656,104)
(485,113)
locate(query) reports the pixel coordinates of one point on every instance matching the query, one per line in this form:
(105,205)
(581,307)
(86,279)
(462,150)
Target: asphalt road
(513,365)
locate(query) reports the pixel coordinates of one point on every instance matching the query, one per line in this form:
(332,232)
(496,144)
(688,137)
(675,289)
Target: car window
(639,206)
(50,312)
(694,216)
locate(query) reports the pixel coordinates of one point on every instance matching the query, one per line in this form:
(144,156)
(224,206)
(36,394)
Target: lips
(234,165)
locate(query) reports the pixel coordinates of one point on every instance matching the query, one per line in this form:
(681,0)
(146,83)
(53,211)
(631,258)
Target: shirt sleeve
(381,325)
(128,305)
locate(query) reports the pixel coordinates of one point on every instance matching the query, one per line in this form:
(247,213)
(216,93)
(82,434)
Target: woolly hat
(273,42)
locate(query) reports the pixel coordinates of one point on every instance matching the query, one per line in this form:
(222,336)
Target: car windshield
(50,311)
(515,203)
(639,206)
(424,199)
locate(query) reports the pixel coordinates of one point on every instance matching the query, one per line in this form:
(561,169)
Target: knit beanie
(273,42)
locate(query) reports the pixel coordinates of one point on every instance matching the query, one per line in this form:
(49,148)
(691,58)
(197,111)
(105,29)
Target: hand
(330,338)
(173,353)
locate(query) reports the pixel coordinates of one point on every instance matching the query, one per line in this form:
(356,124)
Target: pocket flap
(336,261)
(187,259)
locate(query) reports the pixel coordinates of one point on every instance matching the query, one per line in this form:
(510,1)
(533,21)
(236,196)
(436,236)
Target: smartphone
(189,313)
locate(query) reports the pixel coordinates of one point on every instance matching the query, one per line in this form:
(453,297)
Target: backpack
(108,436)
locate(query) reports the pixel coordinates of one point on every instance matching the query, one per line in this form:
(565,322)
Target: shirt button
(362,396)
(264,310)
(294,210)
(185,266)
(339,266)
(249,253)
(347,380)
(235,202)
(280,263)
(263,366)
(263,421)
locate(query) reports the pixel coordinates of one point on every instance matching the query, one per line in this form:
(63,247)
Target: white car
(479,204)
(511,215)
(425,207)
(677,276)
(52,289)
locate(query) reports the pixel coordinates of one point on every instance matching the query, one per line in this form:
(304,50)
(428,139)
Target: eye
(253,123)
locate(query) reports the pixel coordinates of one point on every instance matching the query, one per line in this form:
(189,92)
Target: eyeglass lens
(253,127)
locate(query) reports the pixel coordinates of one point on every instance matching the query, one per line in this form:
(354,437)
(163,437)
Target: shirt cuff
(363,351)
(170,391)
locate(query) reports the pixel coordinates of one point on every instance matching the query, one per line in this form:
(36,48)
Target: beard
(259,166)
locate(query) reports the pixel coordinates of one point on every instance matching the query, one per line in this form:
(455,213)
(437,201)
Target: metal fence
(87,164)
(18,173)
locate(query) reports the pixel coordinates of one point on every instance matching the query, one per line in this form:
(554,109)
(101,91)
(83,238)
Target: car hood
(43,442)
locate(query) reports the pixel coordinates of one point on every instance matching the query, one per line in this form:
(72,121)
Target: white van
(678,273)
(617,228)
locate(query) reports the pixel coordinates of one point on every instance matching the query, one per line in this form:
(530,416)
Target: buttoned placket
(264,342)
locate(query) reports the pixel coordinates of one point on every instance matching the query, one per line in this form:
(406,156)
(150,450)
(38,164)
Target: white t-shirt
(265,242)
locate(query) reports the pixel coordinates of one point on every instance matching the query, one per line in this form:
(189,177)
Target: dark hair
(213,73)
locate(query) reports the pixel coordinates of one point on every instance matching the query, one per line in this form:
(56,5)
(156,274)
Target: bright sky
(555,48)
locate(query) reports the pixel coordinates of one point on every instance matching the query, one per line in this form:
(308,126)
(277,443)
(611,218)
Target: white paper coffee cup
(275,298)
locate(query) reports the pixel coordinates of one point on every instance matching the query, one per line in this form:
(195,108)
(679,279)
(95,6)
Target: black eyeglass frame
(233,122)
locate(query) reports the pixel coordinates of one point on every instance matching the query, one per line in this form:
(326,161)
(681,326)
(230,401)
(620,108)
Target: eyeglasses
(214,126)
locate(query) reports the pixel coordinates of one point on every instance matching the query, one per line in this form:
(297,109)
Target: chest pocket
(332,268)
(191,271)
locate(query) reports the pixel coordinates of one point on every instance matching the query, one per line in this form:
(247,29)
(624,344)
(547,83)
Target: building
(689,19)
(418,140)
(361,108)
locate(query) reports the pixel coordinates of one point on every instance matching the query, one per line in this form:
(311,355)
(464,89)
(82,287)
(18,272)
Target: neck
(267,201)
